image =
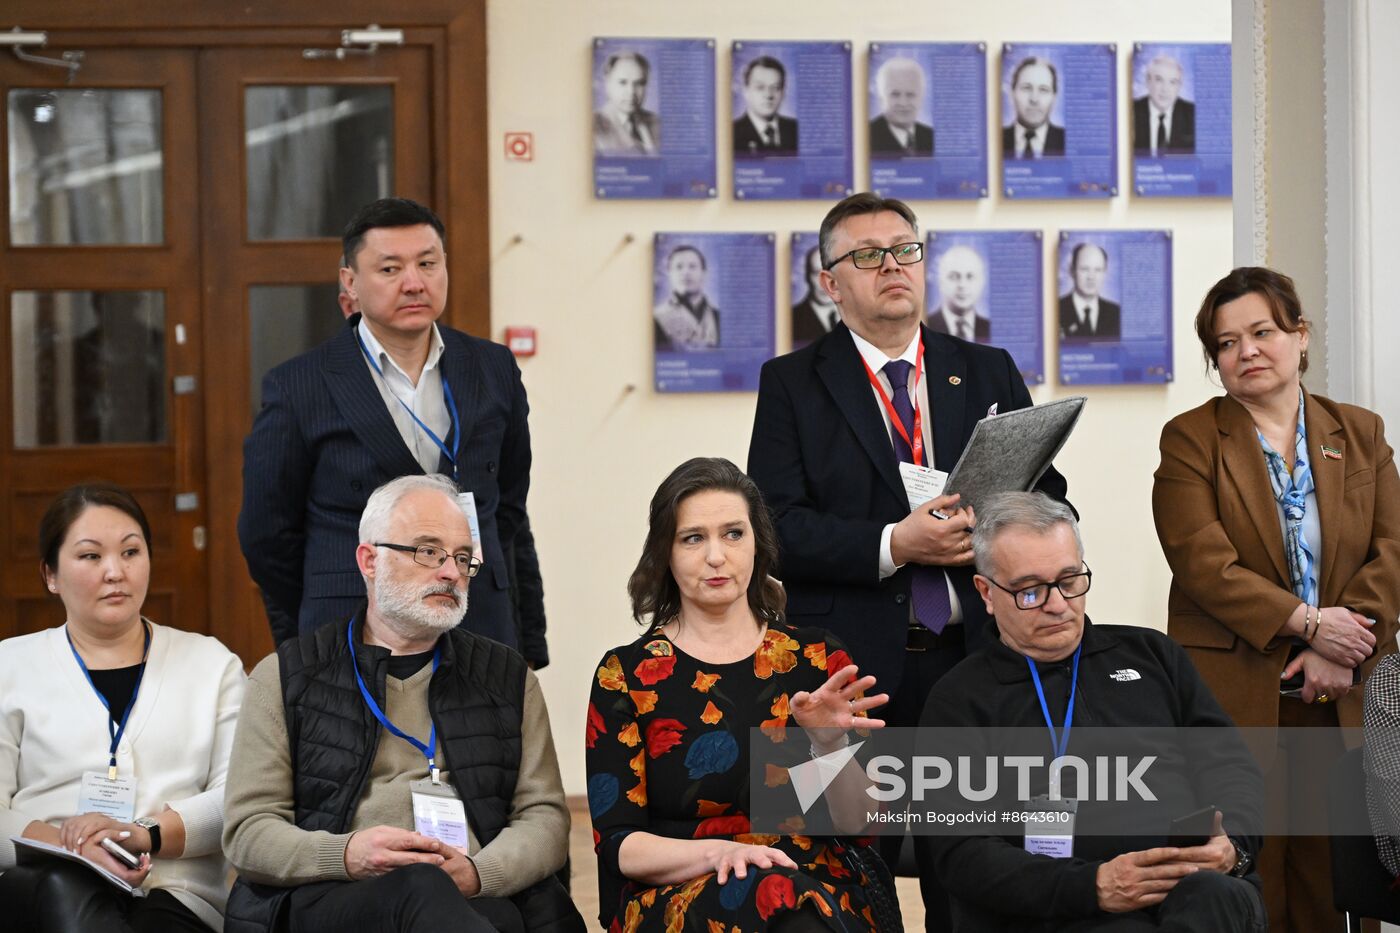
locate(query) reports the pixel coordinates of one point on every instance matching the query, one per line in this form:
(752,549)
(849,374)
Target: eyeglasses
(1033,597)
(430,556)
(873,257)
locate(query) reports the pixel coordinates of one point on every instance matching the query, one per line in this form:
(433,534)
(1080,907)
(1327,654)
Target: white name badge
(467,502)
(438,813)
(921,483)
(1050,827)
(114,797)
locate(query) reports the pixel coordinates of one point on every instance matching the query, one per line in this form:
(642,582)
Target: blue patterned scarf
(1292,494)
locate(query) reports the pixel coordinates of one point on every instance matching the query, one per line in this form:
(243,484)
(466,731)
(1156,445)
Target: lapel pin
(1331,453)
(955,380)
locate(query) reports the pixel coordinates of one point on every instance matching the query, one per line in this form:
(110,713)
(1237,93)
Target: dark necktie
(965,328)
(1029,151)
(1161,132)
(832,319)
(1087,325)
(770,136)
(636,133)
(929,587)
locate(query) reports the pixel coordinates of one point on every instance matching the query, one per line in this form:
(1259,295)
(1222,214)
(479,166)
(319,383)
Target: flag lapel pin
(1331,453)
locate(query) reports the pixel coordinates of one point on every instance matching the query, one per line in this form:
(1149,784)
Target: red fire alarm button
(520,147)
(521,340)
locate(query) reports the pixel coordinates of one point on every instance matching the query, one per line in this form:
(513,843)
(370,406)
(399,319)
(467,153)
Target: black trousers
(927,658)
(68,898)
(406,900)
(424,898)
(1206,902)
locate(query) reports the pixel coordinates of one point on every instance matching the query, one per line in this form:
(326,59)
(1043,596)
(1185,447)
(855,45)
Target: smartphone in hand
(121,855)
(1187,831)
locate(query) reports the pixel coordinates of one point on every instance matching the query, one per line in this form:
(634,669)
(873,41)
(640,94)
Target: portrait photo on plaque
(1181,120)
(1114,306)
(653,121)
(1059,120)
(985,286)
(712,310)
(791,120)
(928,119)
(814,314)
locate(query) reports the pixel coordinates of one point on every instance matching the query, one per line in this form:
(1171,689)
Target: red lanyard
(916,444)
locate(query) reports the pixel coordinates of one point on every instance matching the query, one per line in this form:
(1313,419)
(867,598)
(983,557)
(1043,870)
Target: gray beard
(401,606)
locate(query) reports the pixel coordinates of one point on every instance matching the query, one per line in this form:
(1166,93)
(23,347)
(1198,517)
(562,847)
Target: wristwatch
(1244,862)
(153,828)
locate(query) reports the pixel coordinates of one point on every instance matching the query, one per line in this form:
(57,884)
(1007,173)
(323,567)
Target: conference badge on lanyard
(109,794)
(1050,818)
(432,435)
(436,805)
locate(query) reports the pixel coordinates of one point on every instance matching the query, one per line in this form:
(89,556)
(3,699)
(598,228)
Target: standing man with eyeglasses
(843,431)
(392,394)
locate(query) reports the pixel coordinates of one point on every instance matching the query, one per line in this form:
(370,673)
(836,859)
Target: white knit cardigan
(53,728)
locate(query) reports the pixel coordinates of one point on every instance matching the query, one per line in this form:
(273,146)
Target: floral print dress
(668,753)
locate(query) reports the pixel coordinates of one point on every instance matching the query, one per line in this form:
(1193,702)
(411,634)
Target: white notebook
(34,852)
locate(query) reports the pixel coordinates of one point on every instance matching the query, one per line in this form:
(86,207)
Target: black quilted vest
(477,701)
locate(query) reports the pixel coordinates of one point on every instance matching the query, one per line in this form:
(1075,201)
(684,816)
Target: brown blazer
(1218,523)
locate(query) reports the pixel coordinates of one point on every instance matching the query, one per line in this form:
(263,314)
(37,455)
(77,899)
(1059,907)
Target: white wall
(580,273)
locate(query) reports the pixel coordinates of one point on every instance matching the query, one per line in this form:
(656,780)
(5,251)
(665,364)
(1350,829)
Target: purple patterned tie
(930,587)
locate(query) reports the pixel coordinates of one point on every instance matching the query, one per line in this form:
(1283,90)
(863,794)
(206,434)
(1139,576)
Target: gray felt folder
(1010,452)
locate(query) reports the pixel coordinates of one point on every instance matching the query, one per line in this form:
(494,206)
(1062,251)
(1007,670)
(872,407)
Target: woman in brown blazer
(1279,512)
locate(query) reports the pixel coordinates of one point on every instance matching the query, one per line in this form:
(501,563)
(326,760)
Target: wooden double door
(173,221)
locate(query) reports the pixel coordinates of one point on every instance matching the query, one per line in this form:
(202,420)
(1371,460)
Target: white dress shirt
(1156,115)
(1037,143)
(426,399)
(876,360)
(1088,311)
(762,126)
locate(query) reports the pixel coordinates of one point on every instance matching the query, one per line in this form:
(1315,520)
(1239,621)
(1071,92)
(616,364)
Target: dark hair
(386,212)
(765,61)
(1274,287)
(866,202)
(71,504)
(656,598)
(1074,255)
(1033,60)
(637,57)
(687,248)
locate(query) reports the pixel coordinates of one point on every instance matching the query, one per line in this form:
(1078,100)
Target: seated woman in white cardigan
(112,727)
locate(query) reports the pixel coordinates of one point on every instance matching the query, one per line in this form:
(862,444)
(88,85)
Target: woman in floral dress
(669,723)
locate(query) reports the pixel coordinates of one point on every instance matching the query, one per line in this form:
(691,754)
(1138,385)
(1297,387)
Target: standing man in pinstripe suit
(391,394)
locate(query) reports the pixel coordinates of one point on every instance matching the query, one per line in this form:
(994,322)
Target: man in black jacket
(1033,580)
(838,425)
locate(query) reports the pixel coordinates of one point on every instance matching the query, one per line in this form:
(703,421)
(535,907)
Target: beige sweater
(265,845)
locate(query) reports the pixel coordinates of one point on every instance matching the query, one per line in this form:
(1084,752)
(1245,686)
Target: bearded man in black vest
(397,773)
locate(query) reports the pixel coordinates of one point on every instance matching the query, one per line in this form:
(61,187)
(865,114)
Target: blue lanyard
(1059,743)
(427,750)
(447,397)
(115,728)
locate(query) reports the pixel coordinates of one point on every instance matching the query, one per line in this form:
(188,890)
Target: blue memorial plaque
(1181,120)
(791,114)
(653,118)
(928,119)
(712,310)
(987,286)
(1059,113)
(813,312)
(1115,306)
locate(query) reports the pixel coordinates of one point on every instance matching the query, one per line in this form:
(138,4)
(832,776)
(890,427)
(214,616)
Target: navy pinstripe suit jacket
(324,440)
